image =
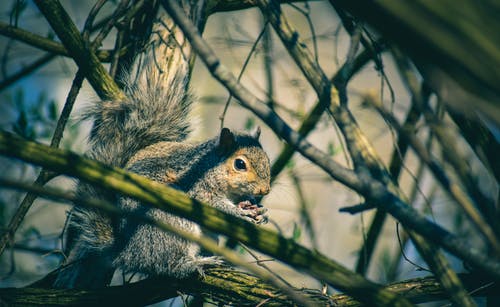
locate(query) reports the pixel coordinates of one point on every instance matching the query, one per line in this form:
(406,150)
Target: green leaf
(332,150)
(250,123)
(297,232)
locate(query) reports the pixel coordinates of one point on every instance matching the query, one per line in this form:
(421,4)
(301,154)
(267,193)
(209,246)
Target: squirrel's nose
(264,190)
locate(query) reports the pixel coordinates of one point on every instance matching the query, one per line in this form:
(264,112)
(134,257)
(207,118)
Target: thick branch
(176,202)
(222,285)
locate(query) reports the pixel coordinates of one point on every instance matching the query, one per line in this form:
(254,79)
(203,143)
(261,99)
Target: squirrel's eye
(240,165)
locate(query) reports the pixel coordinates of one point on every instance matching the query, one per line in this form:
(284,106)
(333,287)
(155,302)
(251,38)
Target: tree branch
(204,242)
(26,70)
(223,285)
(312,118)
(43,43)
(85,58)
(176,202)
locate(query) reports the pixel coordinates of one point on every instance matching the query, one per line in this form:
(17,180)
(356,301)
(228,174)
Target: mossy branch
(224,285)
(176,202)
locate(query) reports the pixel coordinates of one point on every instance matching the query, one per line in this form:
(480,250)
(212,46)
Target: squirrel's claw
(253,212)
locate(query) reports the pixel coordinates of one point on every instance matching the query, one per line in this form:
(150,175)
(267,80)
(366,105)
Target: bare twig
(395,167)
(343,75)
(117,13)
(26,70)
(90,20)
(43,43)
(245,64)
(304,213)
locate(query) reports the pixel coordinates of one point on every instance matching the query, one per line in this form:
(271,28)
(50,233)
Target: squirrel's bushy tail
(154,111)
(156,108)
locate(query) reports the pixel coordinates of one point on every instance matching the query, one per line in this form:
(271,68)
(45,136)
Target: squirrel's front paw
(253,212)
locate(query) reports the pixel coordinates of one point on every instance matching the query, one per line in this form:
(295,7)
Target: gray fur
(197,167)
(152,113)
(146,135)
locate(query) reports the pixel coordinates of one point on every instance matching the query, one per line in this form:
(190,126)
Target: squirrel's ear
(256,133)
(226,141)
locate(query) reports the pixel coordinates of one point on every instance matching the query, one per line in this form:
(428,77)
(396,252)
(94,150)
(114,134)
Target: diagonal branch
(85,58)
(176,202)
(25,71)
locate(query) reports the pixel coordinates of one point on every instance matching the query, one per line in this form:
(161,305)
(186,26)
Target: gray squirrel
(146,134)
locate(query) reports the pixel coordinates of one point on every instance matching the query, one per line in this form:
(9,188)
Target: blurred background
(304,202)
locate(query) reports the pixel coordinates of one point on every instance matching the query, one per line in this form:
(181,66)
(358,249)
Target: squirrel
(146,134)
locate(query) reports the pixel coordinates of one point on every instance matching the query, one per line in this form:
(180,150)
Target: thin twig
(120,10)
(43,43)
(26,71)
(90,20)
(304,213)
(245,64)
(395,167)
